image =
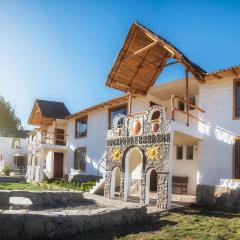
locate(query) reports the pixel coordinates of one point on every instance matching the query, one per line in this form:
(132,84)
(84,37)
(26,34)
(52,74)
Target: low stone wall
(21,224)
(218,196)
(42,199)
(83,178)
(12,179)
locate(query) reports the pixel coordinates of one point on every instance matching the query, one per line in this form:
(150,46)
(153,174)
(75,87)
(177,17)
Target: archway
(151,185)
(115,182)
(132,178)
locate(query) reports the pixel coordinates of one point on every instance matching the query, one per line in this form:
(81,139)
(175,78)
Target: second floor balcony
(41,139)
(179,113)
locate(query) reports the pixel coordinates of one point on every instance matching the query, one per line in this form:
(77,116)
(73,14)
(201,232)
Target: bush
(6,170)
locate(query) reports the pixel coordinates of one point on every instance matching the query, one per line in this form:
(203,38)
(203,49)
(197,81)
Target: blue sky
(63,50)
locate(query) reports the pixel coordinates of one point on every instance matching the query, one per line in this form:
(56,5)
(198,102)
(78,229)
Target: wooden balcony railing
(186,113)
(53,138)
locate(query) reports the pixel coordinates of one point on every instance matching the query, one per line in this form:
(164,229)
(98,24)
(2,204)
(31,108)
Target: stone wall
(83,178)
(218,196)
(12,179)
(24,224)
(42,199)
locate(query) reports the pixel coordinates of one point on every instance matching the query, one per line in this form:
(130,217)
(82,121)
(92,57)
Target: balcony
(157,121)
(187,113)
(151,122)
(55,139)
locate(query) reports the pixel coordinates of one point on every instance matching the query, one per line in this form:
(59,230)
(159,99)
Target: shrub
(6,170)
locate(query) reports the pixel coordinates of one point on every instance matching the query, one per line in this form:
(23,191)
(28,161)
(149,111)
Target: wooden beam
(130,103)
(171,63)
(139,67)
(234,72)
(152,62)
(217,76)
(141,50)
(159,67)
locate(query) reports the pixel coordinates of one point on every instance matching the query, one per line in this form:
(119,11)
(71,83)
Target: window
(81,127)
(80,159)
(155,116)
(153,104)
(179,152)
(189,153)
(181,106)
(236,159)
(236,99)
(113,112)
(192,100)
(16,143)
(20,161)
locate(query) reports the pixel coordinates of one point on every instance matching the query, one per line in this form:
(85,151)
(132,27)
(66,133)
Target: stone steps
(99,186)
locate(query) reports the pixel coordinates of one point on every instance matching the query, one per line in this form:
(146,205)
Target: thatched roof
(233,70)
(44,112)
(109,103)
(142,58)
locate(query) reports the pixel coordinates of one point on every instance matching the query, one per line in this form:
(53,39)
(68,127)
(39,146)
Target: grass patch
(53,184)
(192,223)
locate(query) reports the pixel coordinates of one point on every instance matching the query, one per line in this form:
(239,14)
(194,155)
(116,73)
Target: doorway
(115,182)
(151,186)
(58,165)
(132,179)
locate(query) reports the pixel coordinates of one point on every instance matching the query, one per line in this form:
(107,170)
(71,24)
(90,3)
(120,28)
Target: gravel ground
(84,205)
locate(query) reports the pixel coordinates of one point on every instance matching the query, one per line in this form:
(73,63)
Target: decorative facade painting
(148,135)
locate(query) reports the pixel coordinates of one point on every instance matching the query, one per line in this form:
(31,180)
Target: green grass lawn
(56,185)
(185,224)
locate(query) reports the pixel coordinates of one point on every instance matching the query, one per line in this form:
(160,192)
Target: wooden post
(173,107)
(130,103)
(187,98)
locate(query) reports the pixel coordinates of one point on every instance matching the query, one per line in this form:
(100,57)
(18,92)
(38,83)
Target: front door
(58,165)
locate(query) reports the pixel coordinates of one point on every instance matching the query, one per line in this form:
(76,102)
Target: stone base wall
(83,178)
(42,199)
(12,179)
(218,196)
(34,225)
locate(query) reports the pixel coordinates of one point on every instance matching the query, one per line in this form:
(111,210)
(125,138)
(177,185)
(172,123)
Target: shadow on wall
(221,141)
(219,133)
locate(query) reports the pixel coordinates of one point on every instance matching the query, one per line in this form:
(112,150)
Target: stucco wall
(215,151)
(95,142)
(187,168)
(7,151)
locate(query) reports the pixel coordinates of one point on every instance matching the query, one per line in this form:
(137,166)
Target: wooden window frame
(118,107)
(85,149)
(13,143)
(195,101)
(151,104)
(234,175)
(187,158)
(235,81)
(79,119)
(177,152)
(180,103)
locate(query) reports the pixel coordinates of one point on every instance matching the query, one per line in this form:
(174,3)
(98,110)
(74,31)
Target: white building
(14,149)
(203,110)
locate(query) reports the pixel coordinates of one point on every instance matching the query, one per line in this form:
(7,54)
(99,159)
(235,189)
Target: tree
(8,118)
